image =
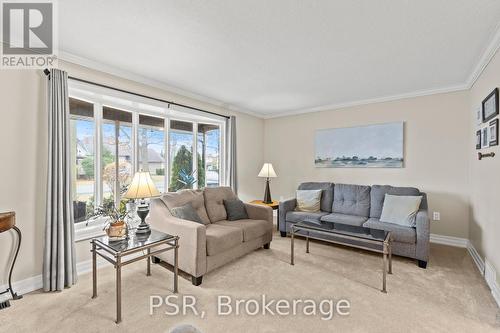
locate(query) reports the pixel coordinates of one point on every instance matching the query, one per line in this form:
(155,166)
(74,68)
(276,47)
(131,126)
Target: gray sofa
(351,207)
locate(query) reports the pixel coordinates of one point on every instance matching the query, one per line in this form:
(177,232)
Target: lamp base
(267,194)
(142,212)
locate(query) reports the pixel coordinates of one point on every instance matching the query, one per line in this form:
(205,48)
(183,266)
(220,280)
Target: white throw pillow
(308,200)
(400,209)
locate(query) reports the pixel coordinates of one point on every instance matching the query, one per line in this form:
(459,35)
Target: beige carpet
(449,296)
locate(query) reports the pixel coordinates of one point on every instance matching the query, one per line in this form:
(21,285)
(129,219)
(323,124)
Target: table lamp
(267,172)
(142,187)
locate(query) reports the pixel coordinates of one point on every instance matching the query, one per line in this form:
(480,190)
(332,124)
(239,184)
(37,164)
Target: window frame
(101,97)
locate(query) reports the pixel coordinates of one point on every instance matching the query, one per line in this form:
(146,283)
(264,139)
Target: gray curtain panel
(231,178)
(59,266)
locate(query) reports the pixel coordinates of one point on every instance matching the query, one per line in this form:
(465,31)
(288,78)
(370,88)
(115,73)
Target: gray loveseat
(351,207)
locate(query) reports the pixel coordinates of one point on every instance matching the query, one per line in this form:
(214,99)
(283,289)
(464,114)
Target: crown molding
(115,71)
(488,54)
(331,107)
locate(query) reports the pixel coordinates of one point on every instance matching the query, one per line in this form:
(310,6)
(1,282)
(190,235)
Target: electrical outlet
(436,216)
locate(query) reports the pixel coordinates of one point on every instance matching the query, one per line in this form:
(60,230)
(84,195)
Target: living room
(300,113)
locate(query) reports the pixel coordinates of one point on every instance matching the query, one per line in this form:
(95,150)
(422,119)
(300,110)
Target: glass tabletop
(134,241)
(328,227)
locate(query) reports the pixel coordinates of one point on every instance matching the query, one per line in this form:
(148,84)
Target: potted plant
(116,226)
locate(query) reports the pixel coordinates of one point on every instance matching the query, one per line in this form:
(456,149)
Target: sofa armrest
(192,239)
(259,212)
(285,207)
(423,234)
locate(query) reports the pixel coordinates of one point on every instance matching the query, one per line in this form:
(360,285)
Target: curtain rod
(47,72)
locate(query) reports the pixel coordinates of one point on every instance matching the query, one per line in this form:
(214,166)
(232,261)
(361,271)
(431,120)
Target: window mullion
(97,154)
(167,154)
(135,143)
(222,155)
(195,154)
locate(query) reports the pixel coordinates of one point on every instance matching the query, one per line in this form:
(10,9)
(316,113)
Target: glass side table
(116,252)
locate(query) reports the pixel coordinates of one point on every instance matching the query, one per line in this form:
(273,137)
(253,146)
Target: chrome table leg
(307,242)
(292,237)
(390,255)
(118,289)
(94,270)
(148,260)
(384,268)
(176,265)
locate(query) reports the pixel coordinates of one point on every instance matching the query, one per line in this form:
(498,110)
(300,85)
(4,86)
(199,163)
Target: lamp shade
(142,186)
(267,171)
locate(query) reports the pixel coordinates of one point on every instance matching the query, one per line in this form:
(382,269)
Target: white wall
(436,152)
(485,176)
(23,144)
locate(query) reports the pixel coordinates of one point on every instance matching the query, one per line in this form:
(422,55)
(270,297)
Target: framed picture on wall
(479,115)
(490,105)
(493,132)
(478,139)
(485,137)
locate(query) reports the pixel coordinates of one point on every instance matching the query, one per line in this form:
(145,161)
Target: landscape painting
(373,146)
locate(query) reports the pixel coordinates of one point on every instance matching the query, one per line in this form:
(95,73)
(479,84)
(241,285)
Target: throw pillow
(235,209)
(400,209)
(308,200)
(186,212)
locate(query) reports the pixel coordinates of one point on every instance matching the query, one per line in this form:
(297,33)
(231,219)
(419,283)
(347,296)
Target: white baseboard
(485,268)
(476,257)
(490,276)
(22,287)
(35,282)
(448,240)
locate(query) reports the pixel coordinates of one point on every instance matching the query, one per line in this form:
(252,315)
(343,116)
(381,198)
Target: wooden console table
(7,222)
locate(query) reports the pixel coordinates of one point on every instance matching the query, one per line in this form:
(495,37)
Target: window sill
(88,232)
(95,228)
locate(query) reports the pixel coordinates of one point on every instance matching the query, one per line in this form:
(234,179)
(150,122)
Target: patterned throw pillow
(235,209)
(186,212)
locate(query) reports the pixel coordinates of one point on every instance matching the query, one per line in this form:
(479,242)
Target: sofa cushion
(308,200)
(326,195)
(398,232)
(378,192)
(235,209)
(186,212)
(295,216)
(221,238)
(214,202)
(351,199)
(353,220)
(252,229)
(194,197)
(400,209)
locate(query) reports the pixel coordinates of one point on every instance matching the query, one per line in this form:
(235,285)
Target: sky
(384,140)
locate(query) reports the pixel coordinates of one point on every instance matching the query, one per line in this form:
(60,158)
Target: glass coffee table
(363,238)
(115,252)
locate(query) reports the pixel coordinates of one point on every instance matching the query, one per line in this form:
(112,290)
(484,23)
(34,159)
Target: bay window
(114,134)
